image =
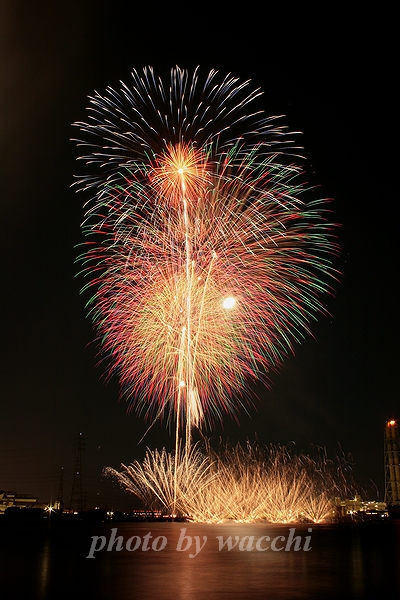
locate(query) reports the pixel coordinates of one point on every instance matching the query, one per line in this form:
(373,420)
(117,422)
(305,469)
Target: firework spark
(239,484)
(206,263)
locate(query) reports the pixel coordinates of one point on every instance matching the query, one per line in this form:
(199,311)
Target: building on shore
(12,499)
(352,507)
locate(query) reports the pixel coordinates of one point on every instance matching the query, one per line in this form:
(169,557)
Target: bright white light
(229,302)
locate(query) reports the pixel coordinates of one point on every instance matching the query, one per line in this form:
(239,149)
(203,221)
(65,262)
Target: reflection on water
(344,561)
(44,569)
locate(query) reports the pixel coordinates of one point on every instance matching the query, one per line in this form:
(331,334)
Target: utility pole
(59,504)
(76,502)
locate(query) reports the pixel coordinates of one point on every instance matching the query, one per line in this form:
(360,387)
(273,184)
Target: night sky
(334,80)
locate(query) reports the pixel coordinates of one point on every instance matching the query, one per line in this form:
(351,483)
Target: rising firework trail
(205,262)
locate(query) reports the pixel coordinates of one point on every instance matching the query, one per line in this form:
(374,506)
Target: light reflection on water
(345,561)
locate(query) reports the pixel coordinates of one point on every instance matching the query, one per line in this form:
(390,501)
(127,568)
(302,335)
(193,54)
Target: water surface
(344,561)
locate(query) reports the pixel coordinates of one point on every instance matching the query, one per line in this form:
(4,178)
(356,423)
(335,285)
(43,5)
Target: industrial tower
(392,464)
(76,502)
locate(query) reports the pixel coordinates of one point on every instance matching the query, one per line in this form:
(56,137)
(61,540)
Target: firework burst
(206,262)
(242,484)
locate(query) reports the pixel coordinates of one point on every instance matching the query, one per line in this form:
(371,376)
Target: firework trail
(205,263)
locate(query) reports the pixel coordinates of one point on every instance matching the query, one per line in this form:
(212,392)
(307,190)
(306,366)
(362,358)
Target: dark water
(344,561)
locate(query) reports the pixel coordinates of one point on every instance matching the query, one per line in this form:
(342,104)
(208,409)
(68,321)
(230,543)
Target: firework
(234,483)
(206,263)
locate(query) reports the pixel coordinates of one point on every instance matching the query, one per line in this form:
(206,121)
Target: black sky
(334,79)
